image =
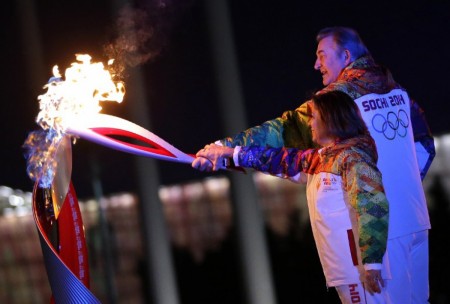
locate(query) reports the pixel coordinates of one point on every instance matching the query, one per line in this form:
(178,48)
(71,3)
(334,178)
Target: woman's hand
(211,157)
(373,281)
(202,164)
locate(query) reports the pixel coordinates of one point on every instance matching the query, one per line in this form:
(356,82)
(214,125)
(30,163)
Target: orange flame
(69,100)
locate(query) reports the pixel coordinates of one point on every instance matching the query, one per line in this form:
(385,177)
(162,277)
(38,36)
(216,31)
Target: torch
(70,110)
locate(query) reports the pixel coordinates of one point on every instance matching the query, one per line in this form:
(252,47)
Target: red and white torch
(70,109)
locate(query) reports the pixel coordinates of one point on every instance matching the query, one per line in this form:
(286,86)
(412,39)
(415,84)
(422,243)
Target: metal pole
(158,256)
(252,243)
(31,42)
(156,242)
(105,235)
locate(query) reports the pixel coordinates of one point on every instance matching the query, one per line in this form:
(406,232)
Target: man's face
(330,60)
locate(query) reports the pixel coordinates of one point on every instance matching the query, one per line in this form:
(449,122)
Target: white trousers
(408,261)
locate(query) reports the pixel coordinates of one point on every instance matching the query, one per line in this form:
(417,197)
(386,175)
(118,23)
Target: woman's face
(319,133)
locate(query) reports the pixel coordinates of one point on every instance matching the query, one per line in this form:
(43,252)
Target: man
(404,142)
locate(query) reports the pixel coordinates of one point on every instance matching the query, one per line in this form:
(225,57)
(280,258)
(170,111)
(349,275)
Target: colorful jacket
(346,200)
(361,77)
(396,123)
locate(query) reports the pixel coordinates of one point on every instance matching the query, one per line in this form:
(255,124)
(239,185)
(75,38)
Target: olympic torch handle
(109,131)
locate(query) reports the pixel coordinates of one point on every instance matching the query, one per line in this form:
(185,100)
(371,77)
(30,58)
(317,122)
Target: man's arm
(425,149)
(289,130)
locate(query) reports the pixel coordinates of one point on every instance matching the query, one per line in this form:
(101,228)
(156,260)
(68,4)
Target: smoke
(141,33)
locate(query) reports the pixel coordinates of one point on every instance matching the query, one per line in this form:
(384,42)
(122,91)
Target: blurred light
(15,200)
(5,191)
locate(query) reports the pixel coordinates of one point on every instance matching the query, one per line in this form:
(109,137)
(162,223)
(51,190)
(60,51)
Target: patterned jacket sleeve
(282,162)
(290,130)
(362,181)
(422,135)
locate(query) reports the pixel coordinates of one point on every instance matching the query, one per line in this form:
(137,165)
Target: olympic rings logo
(391,125)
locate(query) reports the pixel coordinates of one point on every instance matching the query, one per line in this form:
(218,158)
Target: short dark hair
(346,38)
(340,114)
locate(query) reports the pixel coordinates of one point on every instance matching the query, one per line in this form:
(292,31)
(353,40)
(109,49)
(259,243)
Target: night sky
(275,48)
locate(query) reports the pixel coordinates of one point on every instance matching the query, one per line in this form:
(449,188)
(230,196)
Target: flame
(85,85)
(66,102)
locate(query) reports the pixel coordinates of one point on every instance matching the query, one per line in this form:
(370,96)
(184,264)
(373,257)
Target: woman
(347,204)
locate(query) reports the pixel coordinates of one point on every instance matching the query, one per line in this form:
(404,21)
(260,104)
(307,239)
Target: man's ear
(347,57)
